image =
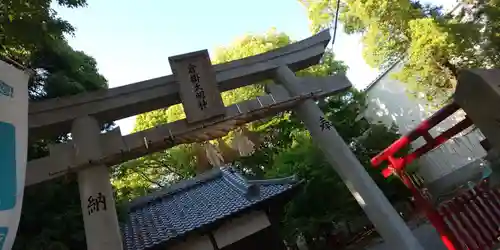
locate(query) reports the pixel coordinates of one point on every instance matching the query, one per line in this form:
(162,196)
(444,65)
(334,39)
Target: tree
(32,36)
(287,148)
(315,211)
(146,173)
(432,45)
(139,177)
(181,158)
(245,47)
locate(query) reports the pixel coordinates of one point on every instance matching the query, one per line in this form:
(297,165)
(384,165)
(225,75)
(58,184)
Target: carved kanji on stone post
(198,88)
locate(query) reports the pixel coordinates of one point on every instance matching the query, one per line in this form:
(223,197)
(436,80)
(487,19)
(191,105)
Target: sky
(132,40)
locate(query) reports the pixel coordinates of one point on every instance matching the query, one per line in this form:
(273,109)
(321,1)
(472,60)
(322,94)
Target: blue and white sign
(13,149)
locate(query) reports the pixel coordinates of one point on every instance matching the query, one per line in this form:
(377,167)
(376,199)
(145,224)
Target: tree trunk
(454,70)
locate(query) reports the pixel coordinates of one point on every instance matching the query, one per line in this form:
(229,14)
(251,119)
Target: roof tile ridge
(175,188)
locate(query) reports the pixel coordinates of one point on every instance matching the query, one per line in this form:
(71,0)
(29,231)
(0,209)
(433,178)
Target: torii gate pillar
(102,230)
(376,206)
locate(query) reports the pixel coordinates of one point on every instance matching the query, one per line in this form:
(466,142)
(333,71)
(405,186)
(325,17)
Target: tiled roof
(194,203)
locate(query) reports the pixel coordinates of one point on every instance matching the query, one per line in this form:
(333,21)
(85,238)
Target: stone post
(376,206)
(102,231)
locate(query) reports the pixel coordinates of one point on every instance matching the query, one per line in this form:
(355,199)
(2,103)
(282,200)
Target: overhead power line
(335,22)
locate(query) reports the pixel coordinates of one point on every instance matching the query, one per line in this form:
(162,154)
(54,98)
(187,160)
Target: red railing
(396,165)
(474,217)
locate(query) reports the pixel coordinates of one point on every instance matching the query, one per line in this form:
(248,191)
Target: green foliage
(63,71)
(139,177)
(25,26)
(324,199)
(248,46)
(51,217)
(287,148)
(251,45)
(433,46)
(136,178)
(32,36)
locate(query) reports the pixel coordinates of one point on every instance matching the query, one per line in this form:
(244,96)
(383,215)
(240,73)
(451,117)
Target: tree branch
(454,70)
(144,176)
(171,169)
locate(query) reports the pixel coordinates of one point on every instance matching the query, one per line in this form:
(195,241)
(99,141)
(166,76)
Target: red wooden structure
(474,217)
(471,220)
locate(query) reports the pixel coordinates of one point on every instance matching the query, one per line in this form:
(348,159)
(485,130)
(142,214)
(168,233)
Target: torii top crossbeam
(91,153)
(54,116)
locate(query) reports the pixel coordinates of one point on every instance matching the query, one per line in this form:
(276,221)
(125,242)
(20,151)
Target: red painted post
(423,127)
(397,165)
(432,214)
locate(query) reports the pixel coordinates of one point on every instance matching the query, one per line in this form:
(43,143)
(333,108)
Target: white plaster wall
(389,102)
(200,242)
(240,228)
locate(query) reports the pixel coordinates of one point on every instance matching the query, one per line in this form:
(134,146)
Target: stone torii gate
(197,85)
